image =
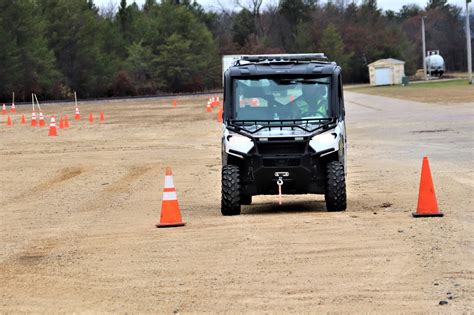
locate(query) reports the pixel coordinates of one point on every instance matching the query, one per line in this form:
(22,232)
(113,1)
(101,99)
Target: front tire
(335,195)
(230,199)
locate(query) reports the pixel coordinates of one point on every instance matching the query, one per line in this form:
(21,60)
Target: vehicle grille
(279,162)
(281,148)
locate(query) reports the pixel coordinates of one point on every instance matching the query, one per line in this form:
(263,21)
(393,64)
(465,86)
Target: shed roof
(388,60)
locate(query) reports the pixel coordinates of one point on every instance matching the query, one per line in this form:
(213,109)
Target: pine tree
(332,45)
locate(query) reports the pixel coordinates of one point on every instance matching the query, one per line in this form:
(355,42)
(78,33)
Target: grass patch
(452,91)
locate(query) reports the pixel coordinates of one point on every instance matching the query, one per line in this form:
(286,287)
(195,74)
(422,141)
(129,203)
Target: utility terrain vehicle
(283,130)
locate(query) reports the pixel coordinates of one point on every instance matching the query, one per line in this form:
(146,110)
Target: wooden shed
(386,72)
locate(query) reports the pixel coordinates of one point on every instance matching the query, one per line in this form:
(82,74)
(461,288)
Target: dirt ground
(440,92)
(78,212)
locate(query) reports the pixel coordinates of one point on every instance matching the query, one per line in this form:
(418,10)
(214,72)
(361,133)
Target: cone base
(421,215)
(164,225)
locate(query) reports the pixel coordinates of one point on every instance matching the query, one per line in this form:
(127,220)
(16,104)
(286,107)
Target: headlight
(238,143)
(325,141)
(325,137)
(236,139)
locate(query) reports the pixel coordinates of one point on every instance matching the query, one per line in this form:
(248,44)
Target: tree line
(55,47)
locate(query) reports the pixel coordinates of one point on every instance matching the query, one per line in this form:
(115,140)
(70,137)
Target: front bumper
(305,169)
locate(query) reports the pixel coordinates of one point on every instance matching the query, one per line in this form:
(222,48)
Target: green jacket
(318,108)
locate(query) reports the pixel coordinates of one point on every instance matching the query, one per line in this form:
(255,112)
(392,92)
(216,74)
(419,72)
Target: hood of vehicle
(278,131)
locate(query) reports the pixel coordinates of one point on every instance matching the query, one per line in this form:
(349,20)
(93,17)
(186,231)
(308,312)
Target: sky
(229,4)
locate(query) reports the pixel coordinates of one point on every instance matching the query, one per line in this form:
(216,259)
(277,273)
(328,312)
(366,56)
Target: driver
(313,101)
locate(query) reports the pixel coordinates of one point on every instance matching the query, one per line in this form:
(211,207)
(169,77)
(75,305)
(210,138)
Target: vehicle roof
(282,68)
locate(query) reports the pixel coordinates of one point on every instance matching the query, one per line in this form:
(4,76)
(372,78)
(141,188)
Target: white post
(468,39)
(75,98)
(33,101)
(39,107)
(13,100)
(424,46)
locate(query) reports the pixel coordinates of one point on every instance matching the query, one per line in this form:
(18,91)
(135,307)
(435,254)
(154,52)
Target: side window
(342,110)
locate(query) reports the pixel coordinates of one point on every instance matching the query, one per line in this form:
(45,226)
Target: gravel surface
(78,211)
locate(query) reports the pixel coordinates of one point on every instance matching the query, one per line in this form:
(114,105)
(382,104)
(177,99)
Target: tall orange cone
(170,213)
(9,121)
(66,122)
(13,108)
(23,119)
(33,119)
(219,115)
(209,107)
(4,109)
(52,127)
(41,120)
(427,204)
(91,118)
(77,115)
(61,122)
(175,103)
(102,117)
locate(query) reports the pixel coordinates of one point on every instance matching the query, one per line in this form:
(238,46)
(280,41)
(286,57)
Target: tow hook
(280,176)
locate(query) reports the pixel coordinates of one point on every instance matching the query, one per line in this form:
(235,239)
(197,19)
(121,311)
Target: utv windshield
(281,98)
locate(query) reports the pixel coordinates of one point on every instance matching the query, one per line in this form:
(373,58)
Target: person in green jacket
(313,101)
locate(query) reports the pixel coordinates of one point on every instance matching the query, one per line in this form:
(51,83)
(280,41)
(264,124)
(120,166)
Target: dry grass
(454,91)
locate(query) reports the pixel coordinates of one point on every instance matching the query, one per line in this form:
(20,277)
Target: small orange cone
(41,120)
(219,115)
(61,122)
(427,204)
(102,117)
(23,119)
(91,118)
(66,122)
(33,119)
(52,127)
(9,121)
(77,115)
(13,108)
(175,103)
(209,107)
(170,213)
(4,109)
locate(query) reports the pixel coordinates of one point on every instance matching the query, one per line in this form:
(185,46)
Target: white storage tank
(435,65)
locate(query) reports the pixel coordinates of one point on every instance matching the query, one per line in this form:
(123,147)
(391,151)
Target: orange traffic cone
(61,122)
(218,102)
(175,103)
(102,117)
(209,107)
(4,109)
(66,122)
(13,108)
(91,118)
(77,115)
(219,115)
(170,213)
(52,127)
(9,121)
(41,120)
(23,119)
(33,119)
(427,204)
